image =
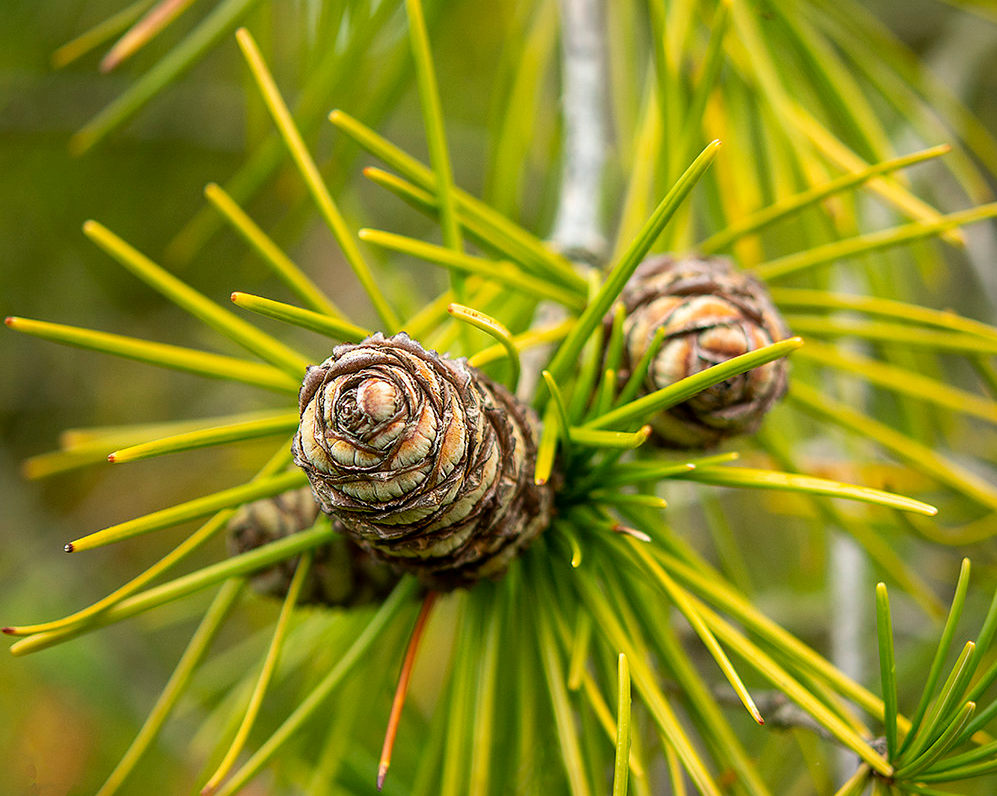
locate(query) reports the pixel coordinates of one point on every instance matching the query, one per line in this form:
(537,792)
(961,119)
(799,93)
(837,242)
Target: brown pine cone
(341,573)
(711,313)
(423,460)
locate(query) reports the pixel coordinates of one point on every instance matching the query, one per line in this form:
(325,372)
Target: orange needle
(402,688)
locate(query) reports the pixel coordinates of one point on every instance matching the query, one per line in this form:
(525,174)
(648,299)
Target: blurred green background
(70,711)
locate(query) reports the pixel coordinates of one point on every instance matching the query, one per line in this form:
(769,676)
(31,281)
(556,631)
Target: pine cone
(341,573)
(711,313)
(423,460)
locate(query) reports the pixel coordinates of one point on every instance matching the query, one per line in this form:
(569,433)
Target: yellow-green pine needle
(627,499)
(484,233)
(504,272)
(331,69)
(459,718)
(307,319)
(887,669)
(282,266)
(987,753)
(607,722)
(313,179)
(192,509)
(192,656)
(706,81)
(647,684)
(621,770)
(567,735)
(684,602)
(338,744)
(547,446)
(131,434)
(593,438)
(917,455)
(895,194)
(950,695)
(793,482)
(755,222)
(579,644)
(445,336)
(143,31)
(233,567)
(534,337)
(44,465)
(983,642)
(431,316)
(892,333)
(617,340)
(188,360)
(198,305)
(702,700)
(494,328)
(566,533)
(525,61)
(400,597)
(215,26)
(800,694)
(219,435)
(484,727)
(525,247)
(100,33)
(203,534)
(563,424)
(584,375)
(81,619)
(709,585)
(81,447)
(266,675)
(604,394)
(950,775)
(640,370)
(872,242)
(436,137)
(760,62)
(567,355)
(635,205)
(902,380)
(943,743)
(659,400)
(648,471)
(880,307)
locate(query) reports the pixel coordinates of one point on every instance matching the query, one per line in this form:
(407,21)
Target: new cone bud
(341,573)
(423,460)
(710,313)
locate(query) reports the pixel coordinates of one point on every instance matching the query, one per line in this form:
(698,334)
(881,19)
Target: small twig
(577,232)
(578,226)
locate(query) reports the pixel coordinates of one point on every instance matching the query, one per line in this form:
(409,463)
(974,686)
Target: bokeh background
(66,713)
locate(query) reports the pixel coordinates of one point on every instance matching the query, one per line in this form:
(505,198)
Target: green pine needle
(282,423)
(282,266)
(313,179)
(307,319)
(162,355)
(792,482)
(192,509)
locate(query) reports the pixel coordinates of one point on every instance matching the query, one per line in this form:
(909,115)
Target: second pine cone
(710,313)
